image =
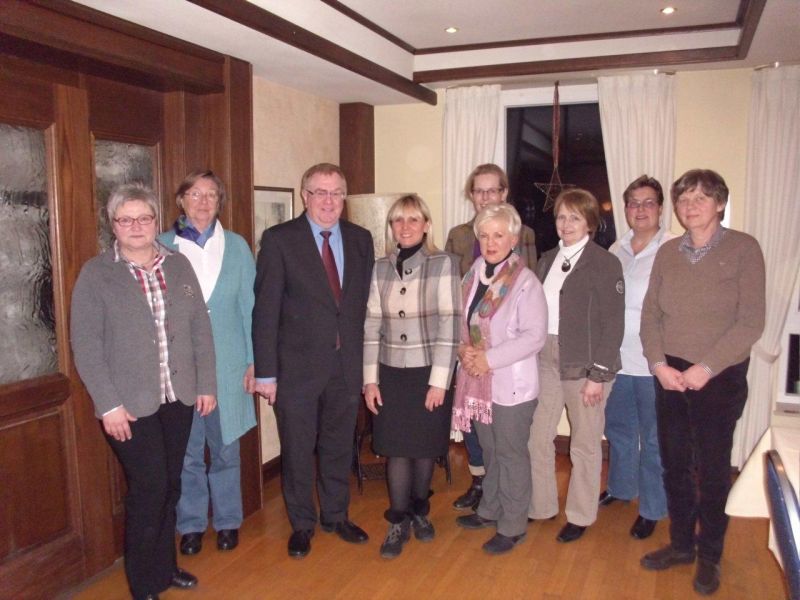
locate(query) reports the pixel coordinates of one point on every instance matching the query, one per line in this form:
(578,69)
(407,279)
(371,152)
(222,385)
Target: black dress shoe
(183,580)
(500,544)
(665,558)
(606,498)
(347,530)
(570,532)
(706,577)
(642,528)
(227,539)
(472,497)
(191,543)
(300,543)
(474,521)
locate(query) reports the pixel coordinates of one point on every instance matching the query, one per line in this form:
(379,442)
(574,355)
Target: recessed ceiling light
(668,10)
(451,29)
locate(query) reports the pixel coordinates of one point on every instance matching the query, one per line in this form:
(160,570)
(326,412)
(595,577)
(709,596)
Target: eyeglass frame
(646,204)
(122,220)
(212,196)
(325,194)
(491,192)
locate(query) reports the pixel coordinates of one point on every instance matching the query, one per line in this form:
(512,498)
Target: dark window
(582,163)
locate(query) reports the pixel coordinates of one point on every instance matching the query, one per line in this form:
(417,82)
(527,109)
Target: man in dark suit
(312,284)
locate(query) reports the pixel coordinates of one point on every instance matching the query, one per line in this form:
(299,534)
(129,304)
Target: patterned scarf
(184,228)
(473,398)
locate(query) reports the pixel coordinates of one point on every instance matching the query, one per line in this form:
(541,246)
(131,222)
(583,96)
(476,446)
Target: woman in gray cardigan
(142,343)
(585,293)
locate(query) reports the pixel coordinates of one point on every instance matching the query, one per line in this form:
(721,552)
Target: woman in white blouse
(634,461)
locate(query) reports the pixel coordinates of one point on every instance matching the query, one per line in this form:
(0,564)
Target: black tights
(408,479)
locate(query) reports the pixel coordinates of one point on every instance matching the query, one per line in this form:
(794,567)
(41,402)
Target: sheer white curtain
(772,216)
(637,114)
(470,131)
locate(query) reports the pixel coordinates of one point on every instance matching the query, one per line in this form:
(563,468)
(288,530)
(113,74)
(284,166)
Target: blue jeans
(634,461)
(222,479)
(473,446)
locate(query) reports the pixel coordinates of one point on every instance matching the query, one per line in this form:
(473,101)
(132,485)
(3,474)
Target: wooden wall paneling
(173,165)
(123,112)
(357,146)
(25,99)
(238,107)
(75,214)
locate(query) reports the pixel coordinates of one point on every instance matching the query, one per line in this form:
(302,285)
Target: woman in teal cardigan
(224,266)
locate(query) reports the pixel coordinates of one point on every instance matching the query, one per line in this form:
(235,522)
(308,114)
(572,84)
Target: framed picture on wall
(271,205)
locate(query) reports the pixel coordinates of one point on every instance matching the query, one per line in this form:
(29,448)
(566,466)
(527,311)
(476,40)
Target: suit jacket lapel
(350,257)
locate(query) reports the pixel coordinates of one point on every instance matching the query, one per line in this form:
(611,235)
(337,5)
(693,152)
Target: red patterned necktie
(330,266)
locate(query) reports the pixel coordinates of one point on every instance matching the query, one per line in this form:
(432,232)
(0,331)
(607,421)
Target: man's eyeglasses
(325,194)
(491,192)
(647,205)
(196,196)
(126,222)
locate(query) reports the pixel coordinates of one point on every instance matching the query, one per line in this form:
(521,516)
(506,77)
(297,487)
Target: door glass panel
(115,163)
(27,322)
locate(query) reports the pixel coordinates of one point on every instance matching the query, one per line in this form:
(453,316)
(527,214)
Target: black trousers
(153,460)
(326,423)
(695,434)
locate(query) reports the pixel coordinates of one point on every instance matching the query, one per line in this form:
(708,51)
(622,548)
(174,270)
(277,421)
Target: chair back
(785,515)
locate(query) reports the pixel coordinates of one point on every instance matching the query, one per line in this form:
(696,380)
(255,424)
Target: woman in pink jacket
(504,327)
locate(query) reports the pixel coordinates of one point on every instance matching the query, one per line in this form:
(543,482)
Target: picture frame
(271,206)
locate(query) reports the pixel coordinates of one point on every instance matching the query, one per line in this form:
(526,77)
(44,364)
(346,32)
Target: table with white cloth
(748,496)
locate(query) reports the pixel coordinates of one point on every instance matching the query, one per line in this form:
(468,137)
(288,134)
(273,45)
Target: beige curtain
(637,114)
(772,216)
(470,133)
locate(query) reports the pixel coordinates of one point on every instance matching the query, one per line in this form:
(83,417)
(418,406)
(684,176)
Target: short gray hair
(500,212)
(126,192)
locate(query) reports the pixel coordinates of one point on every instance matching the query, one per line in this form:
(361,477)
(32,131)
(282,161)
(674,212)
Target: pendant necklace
(567,265)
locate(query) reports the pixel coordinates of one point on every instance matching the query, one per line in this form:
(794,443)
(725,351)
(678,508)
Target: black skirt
(403,426)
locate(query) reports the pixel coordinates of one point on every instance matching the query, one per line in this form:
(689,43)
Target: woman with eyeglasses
(143,347)
(487,185)
(224,265)
(634,465)
(585,293)
(703,311)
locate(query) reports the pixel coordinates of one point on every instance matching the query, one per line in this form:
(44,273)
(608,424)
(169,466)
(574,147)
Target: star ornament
(552,189)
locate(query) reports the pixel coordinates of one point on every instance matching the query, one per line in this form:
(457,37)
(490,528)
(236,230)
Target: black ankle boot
(472,497)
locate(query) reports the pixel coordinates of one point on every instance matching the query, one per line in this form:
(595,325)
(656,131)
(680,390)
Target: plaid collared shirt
(154,287)
(695,255)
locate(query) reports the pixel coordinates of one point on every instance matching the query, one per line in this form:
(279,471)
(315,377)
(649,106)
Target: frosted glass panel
(27,320)
(115,163)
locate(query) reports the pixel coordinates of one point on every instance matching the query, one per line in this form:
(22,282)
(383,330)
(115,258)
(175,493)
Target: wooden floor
(603,564)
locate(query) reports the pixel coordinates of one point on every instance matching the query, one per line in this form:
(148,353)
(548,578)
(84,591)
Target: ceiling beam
(258,19)
(61,33)
(575,65)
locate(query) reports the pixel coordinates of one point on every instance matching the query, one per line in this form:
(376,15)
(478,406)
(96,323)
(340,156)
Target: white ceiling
(420,23)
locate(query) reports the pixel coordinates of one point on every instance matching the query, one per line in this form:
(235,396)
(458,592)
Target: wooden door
(61,489)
